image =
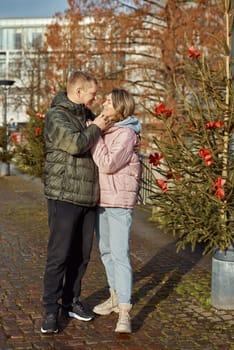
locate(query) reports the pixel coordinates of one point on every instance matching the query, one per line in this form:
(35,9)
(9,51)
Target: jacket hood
(130,122)
(60,98)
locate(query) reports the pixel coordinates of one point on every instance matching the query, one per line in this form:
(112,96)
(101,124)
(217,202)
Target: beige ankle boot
(124,321)
(108,306)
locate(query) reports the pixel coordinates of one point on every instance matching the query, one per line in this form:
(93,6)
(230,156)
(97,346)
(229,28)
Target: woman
(119,175)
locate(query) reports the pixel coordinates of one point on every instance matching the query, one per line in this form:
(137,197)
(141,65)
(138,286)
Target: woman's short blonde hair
(123,102)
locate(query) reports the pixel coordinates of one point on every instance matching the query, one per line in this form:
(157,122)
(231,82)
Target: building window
(36,40)
(18,41)
(1,39)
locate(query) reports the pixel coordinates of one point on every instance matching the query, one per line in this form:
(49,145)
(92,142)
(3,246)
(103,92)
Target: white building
(17,36)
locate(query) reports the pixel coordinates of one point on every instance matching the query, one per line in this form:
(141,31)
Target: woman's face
(108,108)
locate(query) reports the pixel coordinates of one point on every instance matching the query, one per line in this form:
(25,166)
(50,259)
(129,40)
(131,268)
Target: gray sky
(31,8)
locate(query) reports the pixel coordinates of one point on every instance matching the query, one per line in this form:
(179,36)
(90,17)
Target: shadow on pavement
(163,273)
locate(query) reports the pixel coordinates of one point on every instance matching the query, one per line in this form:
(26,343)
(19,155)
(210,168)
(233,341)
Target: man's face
(87,95)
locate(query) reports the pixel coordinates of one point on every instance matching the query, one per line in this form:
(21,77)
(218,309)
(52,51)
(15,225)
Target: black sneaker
(77,310)
(50,324)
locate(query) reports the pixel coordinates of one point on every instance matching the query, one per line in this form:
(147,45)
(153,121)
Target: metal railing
(145,189)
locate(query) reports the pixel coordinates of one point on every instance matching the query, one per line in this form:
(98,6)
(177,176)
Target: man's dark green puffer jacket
(70,173)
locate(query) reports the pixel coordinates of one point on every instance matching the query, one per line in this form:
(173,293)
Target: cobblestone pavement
(171,291)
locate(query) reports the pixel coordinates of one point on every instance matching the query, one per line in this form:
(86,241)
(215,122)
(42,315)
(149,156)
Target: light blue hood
(130,122)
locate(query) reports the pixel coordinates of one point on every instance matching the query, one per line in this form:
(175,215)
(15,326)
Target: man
(72,190)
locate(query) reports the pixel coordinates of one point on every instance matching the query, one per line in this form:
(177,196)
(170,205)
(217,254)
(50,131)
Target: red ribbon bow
(218,186)
(193,53)
(161,109)
(162,184)
(155,158)
(213,124)
(205,153)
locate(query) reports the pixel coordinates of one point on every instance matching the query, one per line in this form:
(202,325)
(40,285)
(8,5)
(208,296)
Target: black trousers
(69,248)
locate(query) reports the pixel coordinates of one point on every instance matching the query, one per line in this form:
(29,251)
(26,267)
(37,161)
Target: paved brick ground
(171,291)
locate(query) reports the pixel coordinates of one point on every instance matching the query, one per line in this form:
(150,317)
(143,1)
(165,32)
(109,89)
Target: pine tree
(6,153)
(192,189)
(30,155)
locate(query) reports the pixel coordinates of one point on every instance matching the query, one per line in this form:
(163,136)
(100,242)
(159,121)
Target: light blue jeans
(113,234)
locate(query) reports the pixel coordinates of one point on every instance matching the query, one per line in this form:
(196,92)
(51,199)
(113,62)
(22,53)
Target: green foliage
(6,154)
(2,136)
(30,155)
(193,176)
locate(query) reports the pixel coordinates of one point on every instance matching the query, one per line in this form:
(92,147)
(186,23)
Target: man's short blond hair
(83,79)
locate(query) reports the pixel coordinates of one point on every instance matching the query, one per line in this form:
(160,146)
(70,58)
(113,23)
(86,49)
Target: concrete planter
(4,169)
(222,288)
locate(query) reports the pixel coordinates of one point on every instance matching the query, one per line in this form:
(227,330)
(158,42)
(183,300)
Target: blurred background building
(19,38)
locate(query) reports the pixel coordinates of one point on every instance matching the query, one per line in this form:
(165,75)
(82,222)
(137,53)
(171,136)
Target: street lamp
(5,84)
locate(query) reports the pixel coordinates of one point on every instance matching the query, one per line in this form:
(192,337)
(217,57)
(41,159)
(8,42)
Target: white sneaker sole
(80,318)
(48,331)
(123,331)
(105,312)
